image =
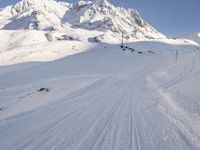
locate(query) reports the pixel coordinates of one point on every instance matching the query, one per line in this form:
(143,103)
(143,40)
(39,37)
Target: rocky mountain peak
(97,15)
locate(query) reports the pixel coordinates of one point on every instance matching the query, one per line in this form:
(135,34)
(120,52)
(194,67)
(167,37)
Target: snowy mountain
(102,16)
(33,14)
(99,15)
(44,30)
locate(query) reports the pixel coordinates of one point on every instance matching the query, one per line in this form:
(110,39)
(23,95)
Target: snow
(103,16)
(75,88)
(194,37)
(104,98)
(48,15)
(33,14)
(18,46)
(32,98)
(43,30)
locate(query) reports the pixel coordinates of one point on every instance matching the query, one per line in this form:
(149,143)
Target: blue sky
(171,17)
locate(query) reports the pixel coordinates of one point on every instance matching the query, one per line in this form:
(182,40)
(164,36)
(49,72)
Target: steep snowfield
(104,98)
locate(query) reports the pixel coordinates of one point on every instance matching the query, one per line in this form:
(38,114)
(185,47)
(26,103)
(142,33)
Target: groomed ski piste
(66,83)
(104,98)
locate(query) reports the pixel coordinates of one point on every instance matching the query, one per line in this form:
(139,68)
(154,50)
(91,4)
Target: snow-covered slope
(104,98)
(194,37)
(19,46)
(98,15)
(43,30)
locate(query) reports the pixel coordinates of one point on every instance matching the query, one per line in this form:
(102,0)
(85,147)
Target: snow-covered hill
(194,37)
(104,98)
(44,28)
(99,15)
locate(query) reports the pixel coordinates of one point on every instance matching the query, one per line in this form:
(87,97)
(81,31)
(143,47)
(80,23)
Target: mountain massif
(100,16)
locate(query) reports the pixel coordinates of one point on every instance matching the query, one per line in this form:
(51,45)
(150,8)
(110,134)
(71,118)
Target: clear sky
(171,17)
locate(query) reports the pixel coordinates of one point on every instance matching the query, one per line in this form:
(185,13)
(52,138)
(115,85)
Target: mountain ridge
(100,15)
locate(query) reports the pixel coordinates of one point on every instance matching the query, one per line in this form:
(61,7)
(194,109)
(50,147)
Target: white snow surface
(19,46)
(104,98)
(194,37)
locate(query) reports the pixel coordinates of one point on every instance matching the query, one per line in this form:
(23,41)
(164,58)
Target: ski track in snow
(131,109)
